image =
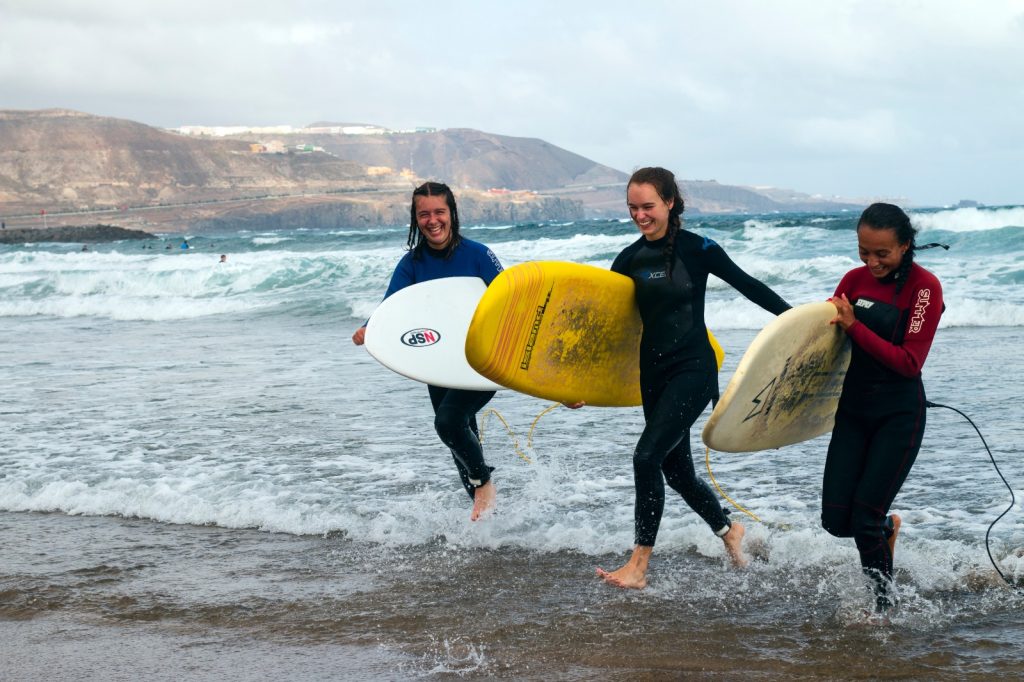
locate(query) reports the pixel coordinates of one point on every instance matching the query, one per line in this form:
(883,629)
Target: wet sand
(110,598)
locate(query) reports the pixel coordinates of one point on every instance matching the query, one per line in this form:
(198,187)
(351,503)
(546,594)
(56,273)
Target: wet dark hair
(880,216)
(664,183)
(415,242)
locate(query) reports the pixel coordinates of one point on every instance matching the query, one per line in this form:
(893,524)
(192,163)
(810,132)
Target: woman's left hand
(844,312)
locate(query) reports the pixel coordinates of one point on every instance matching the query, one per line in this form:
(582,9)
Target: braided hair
(664,183)
(415,242)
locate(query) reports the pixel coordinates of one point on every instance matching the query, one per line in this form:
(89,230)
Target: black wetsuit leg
(455,422)
(663,453)
(875,442)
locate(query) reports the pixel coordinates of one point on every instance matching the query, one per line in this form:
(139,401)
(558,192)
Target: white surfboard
(787,385)
(420,332)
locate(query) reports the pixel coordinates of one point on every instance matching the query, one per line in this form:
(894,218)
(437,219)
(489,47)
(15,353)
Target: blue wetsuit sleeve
(489,267)
(720,265)
(403,276)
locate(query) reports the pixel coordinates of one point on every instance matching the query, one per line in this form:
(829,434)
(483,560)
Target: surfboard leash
(512,435)
(529,438)
(1013,499)
(707,463)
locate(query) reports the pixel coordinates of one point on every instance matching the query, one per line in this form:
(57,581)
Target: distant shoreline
(71,234)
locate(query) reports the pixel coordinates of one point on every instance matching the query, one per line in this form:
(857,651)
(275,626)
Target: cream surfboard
(420,332)
(786,386)
(561,331)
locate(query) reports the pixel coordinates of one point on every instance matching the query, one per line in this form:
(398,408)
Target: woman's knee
(866,525)
(836,521)
(646,459)
(449,423)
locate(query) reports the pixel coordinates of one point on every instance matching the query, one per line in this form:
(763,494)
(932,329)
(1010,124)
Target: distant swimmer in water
(184,244)
(223,258)
(678,370)
(437,250)
(890,309)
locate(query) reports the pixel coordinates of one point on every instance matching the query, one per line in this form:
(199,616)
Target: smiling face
(880,249)
(648,210)
(434,221)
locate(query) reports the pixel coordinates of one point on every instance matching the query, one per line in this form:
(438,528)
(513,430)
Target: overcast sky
(918,100)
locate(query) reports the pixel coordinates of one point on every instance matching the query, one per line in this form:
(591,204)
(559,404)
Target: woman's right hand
(844,312)
(359,337)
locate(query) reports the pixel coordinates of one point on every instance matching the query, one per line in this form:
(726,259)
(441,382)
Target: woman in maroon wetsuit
(890,309)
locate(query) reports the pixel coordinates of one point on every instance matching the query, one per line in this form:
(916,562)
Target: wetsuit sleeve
(621,262)
(844,286)
(720,265)
(490,266)
(908,358)
(403,275)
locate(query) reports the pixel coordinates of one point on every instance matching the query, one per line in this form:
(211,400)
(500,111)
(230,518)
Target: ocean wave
(968,312)
(125,309)
(307,272)
(593,519)
(969,219)
(263,241)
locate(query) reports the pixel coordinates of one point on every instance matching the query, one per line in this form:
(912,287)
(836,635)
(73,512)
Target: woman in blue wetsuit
(436,250)
(678,371)
(890,309)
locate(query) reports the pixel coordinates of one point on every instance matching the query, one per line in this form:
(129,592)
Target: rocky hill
(466,158)
(63,160)
(66,167)
(60,167)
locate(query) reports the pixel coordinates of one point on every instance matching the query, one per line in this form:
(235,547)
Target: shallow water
(379,573)
(202,477)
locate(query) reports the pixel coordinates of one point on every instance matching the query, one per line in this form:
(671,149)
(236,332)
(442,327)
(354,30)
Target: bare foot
(484,498)
(896,523)
(634,574)
(734,545)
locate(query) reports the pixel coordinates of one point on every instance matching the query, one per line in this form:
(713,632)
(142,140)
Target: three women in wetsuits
(890,309)
(436,250)
(678,370)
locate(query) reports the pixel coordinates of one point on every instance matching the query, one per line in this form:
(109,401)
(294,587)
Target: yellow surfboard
(561,331)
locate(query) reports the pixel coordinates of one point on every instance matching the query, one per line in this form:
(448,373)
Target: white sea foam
(968,312)
(167,287)
(486,228)
(580,248)
(969,219)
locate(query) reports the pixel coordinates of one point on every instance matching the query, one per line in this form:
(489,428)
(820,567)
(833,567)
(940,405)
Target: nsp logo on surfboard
(421,337)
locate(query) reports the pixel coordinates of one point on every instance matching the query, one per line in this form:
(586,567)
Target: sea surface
(201,477)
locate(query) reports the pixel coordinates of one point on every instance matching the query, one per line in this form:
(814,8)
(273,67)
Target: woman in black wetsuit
(890,309)
(678,371)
